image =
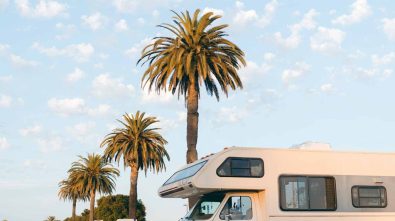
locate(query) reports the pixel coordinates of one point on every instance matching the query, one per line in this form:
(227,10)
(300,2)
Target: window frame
(369,187)
(308,193)
(242,158)
(203,163)
(240,196)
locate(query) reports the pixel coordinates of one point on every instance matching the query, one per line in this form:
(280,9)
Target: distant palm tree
(94,175)
(71,190)
(140,147)
(197,54)
(51,218)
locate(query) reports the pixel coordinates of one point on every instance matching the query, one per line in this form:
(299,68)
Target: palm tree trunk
(74,208)
(192,130)
(192,123)
(92,206)
(134,174)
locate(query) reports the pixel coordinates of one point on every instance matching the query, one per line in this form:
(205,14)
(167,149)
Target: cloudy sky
(320,71)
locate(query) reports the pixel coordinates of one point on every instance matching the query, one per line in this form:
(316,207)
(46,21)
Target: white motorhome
(311,183)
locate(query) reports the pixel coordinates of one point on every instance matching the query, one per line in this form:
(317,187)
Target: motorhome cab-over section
(264,184)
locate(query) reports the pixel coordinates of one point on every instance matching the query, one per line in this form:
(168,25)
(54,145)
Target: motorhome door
(238,206)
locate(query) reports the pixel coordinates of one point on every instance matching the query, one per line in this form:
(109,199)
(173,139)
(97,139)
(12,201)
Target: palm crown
(71,190)
(196,55)
(137,143)
(93,173)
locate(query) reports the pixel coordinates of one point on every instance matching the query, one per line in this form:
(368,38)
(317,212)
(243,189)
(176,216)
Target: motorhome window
(206,207)
(241,167)
(185,173)
(369,196)
(237,208)
(307,193)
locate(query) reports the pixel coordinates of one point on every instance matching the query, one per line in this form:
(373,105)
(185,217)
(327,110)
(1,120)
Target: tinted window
(205,208)
(185,173)
(237,208)
(369,196)
(241,167)
(307,193)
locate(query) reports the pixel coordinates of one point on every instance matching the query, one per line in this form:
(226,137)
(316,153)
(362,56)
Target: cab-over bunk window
(369,196)
(306,193)
(241,167)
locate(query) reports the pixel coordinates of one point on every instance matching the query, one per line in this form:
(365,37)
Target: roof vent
(310,145)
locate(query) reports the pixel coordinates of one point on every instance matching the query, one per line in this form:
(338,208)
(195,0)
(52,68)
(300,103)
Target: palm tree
(140,147)
(51,218)
(70,190)
(93,175)
(196,54)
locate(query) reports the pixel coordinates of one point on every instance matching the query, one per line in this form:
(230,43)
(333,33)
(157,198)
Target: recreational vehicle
(308,183)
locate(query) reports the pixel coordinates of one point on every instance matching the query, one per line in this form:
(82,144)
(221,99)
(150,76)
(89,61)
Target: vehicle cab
(221,206)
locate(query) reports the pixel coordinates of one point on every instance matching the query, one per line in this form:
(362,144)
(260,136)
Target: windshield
(206,207)
(185,173)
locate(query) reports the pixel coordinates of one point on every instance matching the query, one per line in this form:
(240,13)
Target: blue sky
(317,71)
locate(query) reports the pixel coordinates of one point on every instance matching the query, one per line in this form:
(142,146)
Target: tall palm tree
(70,190)
(140,147)
(196,54)
(93,175)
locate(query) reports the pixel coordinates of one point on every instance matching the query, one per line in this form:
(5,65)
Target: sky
(316,71)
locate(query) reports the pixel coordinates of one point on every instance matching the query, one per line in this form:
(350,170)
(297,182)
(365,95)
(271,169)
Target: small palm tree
(51,218)
(197,54)
(70,190)
(93,175)
(140,147)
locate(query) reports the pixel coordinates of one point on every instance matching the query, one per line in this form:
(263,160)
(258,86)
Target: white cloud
(4,143)
(106,87)
(360,9)
(327,88)
(101,110)
(3,3)
(50,144)
(230,115)
(253,70)
(94,21)
(5,100)
(268,57)
(75,76)
(292,74)
(153,97)
(18,61)
(387,73)
(135,50)
(327,40)
(368,72)
(36,164)
(294,39)
(79,52)
(383,60)
(4,48)
(32,130)
(213,10)
(5,79)
(243,17)
(121,25)
(125,5)
(76,106)
(67,106)
(270,9)
(43,9)
(66,30)
(389,27)
(82,131)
